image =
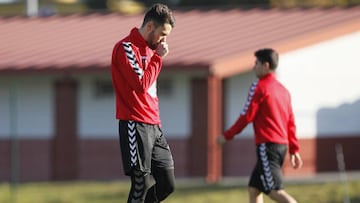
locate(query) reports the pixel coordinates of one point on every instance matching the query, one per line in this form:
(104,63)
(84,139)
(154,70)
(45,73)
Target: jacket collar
(268,76)
(138,40)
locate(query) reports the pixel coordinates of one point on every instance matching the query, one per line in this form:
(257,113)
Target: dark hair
(160,14)
(268,55)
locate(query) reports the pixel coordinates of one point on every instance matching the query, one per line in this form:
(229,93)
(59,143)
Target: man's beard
(150,41)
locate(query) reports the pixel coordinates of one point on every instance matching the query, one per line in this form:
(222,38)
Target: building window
(165,87)
(103,89)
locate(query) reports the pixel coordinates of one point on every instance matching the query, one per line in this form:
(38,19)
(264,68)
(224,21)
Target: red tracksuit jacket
(269,108)
(135,68)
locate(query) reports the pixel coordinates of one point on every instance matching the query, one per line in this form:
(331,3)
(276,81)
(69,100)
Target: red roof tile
(218,41)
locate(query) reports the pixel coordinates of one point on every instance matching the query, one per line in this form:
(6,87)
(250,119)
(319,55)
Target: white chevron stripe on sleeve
(250,96)
(132,59)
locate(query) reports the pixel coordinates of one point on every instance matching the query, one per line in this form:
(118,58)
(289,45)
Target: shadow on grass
(105,197)
(179,191)
(206,188)
(352,200)
(355,200)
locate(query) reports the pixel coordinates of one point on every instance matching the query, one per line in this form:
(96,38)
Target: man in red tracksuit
(135,67)
(269,108)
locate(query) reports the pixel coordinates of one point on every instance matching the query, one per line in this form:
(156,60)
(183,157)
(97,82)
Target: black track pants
(144,190)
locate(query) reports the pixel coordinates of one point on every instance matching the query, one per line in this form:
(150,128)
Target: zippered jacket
(269,108)
(135,68)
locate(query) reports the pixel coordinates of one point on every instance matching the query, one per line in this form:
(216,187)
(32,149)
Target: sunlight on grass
(116,191)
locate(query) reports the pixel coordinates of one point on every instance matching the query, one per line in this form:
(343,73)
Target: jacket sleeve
(293,141)
(126,61)
(248,114)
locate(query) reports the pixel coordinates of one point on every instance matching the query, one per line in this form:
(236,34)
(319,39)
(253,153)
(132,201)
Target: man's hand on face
(162,48)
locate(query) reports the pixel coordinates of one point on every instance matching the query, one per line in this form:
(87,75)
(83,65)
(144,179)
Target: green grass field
(116,192)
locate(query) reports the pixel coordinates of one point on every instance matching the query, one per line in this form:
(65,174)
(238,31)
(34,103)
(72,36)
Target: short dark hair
(160,14)
(268,55)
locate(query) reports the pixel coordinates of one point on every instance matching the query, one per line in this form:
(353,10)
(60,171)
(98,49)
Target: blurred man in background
(269,108)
